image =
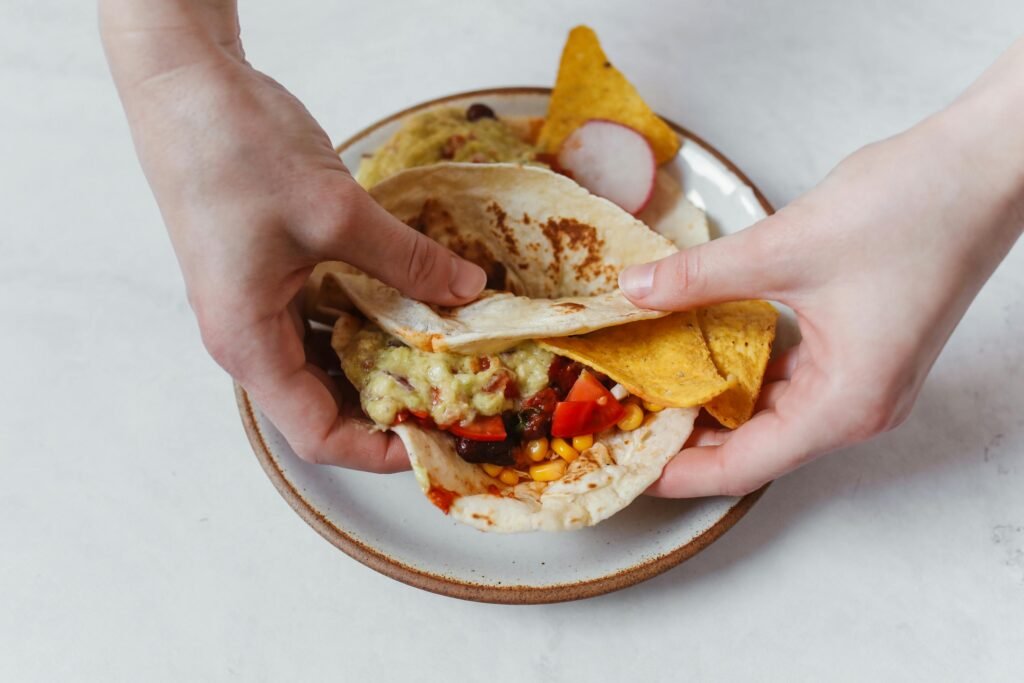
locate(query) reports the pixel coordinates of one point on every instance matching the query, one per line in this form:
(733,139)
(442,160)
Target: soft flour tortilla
(600,482)
(555,248)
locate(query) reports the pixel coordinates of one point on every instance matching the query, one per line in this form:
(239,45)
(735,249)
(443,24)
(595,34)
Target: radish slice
(612,161)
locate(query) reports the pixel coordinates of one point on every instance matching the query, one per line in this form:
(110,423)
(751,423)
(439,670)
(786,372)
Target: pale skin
(903,234)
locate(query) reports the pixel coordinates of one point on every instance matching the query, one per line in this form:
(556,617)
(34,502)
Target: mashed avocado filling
(445,134)
(392,377)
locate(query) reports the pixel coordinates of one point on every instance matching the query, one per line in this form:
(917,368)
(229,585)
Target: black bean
(536,423)
(479,111)
(493,452)
(562,374)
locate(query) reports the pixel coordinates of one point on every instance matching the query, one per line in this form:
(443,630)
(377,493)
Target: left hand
(254,196)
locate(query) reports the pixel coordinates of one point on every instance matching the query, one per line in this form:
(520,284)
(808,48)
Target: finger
(371,239)
(741,266)
(766,447)
(784,365)
(770,395)
(269,361)
(706,436)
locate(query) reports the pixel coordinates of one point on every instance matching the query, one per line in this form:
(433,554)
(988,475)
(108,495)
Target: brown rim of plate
(446,585)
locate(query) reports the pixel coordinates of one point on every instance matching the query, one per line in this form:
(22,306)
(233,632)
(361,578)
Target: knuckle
(217,336)
(218,343)
(687,270)
(333,213)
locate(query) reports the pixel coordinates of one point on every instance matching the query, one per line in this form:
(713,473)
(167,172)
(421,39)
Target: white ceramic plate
(386,523)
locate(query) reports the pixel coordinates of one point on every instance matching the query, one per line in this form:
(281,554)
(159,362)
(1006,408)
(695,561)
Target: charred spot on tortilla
(570,307)
(432,216)
(435,221)
(569,236)
(508,236)
(484,518)
(475,251)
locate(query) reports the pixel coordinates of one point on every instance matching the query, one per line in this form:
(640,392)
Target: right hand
(879,262)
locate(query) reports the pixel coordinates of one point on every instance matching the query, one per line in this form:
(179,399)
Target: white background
(140,540)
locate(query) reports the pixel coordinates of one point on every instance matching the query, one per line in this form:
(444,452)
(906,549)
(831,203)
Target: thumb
(731,268)
(379,244)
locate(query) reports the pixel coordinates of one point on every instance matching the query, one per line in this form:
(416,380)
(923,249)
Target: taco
(550,402)
(505,429)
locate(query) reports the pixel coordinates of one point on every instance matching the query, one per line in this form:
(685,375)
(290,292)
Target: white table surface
(140,540)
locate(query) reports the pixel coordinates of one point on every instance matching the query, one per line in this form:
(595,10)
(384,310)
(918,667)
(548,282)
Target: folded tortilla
(552,252)
(601,481)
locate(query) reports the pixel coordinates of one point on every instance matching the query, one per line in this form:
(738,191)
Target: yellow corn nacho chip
(739,336)
(664,360)
(589,87)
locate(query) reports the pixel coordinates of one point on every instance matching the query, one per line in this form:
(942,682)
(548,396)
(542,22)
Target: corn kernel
(537,449)
(653,407)
(632,418)
(509,477)
(547,471)
(562,447)
(582,443)
(493,470)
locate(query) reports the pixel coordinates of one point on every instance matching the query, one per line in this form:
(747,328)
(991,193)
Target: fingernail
(467,279)
(637,281)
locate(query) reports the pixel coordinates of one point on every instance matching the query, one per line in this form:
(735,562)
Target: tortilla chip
(589,87)
(664,361)
(739,336)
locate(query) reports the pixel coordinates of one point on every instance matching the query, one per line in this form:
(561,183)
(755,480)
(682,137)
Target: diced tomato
(481,429)
(589,408)
(424,419)
(572,417)
(421,417)
(588,388)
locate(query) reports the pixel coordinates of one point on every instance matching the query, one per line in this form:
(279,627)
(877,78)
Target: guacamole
(448,387)
(445,134)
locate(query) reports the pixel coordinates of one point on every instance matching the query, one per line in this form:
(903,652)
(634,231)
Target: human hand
(254,195)
(879,262)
